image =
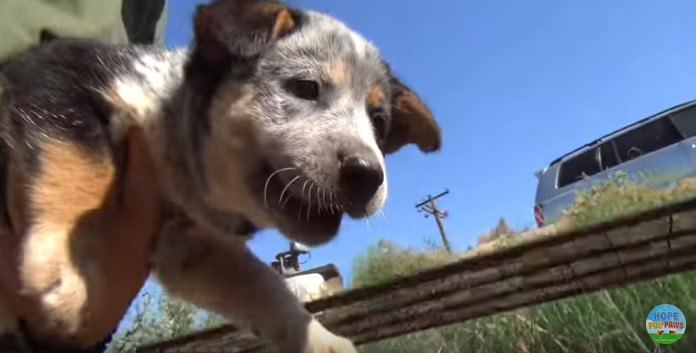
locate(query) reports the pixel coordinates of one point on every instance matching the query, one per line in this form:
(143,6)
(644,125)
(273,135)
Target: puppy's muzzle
(360,177)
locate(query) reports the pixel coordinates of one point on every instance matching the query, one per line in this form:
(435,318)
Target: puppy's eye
(304,89)
(379,122)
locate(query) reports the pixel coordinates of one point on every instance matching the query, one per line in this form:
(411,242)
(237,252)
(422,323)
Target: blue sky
(514,84)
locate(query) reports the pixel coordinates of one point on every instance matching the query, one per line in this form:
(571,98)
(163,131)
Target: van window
(647,138)
(608,155)
(575,168)
(642,140)
(685,121)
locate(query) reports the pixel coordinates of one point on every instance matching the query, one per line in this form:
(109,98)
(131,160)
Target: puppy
(274,117)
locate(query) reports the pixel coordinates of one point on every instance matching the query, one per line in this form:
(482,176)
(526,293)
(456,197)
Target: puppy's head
(302,113)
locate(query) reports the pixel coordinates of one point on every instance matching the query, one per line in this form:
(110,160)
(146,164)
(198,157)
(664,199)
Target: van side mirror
(298,247)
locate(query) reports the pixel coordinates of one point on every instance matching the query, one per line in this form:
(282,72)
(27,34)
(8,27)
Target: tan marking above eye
(337,72)
(375,96)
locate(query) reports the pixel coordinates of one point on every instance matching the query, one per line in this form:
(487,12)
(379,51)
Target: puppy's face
(302,117)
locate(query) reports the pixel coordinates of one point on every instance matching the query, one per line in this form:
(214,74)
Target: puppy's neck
(168,102)
(140,94)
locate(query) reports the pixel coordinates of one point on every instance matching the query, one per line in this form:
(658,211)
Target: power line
(430,208)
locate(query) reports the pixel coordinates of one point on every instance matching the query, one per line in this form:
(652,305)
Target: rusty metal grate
(547,264)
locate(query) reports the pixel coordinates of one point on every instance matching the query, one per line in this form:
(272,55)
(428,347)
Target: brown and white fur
(123,160)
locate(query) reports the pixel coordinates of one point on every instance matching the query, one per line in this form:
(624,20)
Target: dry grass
(604,322)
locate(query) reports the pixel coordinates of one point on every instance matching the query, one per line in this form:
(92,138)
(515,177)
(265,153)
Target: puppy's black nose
(359,179)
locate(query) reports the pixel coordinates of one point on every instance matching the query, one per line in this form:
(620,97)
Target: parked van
(662,145)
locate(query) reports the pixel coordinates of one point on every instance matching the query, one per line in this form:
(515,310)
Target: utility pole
(430,208)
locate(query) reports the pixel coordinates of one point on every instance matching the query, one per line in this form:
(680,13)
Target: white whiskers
(309,201)
(268,180)
(280,199)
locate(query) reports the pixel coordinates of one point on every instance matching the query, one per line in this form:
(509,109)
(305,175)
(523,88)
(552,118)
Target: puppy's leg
(221,274)
(87,227)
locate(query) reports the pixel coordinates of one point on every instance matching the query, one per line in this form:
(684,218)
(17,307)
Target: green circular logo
(666,324)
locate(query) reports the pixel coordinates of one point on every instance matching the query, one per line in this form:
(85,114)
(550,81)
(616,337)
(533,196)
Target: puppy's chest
(214,222)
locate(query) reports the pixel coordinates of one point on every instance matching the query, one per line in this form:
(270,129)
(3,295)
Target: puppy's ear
(239,30)
(412,121)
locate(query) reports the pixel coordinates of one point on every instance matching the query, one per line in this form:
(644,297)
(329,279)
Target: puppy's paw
(321,340)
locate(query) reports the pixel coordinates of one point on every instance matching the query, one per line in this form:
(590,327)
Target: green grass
(666,338)
(610,321)
(604,322)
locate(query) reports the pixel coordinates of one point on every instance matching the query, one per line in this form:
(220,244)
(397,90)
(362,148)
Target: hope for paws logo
(666,324)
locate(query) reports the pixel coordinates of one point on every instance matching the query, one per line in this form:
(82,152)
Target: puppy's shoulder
(53,89)
(55,121)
